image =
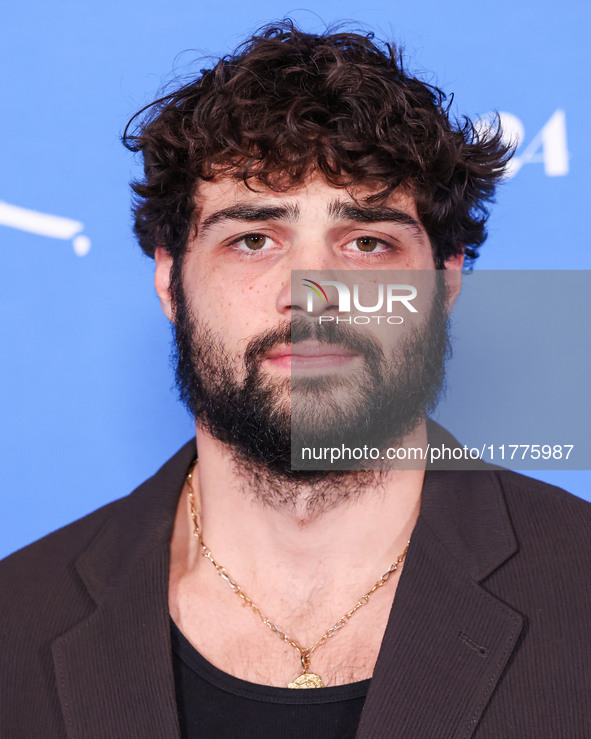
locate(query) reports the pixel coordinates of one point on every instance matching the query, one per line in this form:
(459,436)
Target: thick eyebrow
(338,210)
(250,214)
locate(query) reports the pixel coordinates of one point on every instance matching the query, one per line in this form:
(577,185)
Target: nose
(301,290)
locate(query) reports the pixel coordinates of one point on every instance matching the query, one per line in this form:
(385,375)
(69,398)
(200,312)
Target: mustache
(301,329)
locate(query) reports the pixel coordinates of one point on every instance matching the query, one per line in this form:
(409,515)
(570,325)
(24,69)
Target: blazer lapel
(114,668)
(448,640)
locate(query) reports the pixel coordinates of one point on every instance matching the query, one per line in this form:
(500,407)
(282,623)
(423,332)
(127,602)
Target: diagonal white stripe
(38,223)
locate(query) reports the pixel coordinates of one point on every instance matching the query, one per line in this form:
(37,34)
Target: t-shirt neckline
(255,691)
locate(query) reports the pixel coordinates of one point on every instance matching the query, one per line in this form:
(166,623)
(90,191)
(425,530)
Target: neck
(281,544)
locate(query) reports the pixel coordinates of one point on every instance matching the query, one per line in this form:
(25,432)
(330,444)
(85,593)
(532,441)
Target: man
(409,603)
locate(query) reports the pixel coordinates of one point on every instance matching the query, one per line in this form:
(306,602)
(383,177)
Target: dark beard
(254,417)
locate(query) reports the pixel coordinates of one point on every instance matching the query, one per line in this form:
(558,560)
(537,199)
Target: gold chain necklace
(307,679)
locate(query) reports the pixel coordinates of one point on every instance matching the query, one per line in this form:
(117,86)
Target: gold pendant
(307,680)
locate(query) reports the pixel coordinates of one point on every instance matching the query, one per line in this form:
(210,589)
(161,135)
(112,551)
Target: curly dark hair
(288,103)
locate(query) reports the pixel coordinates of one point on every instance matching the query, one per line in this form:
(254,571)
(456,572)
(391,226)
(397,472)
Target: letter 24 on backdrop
(89,410)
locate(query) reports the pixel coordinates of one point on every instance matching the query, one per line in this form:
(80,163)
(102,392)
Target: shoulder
(44,597)
(544,507)
(537,509)
(43,582)
(548,573)
(42,576)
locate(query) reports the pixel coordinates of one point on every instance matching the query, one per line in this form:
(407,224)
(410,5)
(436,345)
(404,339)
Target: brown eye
(366,243)
(255,241)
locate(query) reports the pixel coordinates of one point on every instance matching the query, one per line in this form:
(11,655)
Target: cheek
(236,315)
(234,302)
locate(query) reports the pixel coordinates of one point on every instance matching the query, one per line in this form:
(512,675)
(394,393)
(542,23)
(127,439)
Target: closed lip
(309,349)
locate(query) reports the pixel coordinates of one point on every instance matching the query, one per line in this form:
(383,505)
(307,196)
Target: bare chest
(235,640)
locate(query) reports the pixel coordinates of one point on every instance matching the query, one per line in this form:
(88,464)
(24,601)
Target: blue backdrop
(88,405)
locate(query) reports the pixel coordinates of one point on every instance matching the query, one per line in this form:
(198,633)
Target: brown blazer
(489,634)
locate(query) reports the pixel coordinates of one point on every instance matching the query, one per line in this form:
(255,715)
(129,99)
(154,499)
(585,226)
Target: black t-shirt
(215,705)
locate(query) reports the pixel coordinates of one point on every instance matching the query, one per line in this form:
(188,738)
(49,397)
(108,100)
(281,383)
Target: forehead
(313,197)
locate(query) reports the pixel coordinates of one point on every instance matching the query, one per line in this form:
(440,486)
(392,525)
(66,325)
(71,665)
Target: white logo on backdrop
(45,224)
(547,147)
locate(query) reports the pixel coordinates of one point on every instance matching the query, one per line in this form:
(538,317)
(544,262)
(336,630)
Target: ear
(453,278)
(162,281)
